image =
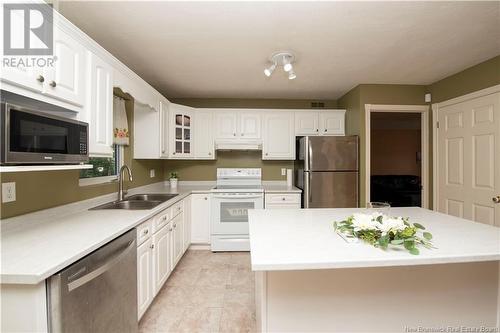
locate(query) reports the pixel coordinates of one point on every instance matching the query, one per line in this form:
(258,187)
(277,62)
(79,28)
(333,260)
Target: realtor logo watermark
(28,35)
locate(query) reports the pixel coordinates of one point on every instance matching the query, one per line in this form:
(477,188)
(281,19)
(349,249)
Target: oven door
(38,138)
(230,212)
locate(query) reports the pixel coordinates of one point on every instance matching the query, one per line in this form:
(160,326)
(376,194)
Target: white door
(200,218)
(177,239)
(332,122)
(187,222)
(204,140)
(66,80)
(164,123)
(250,125)
(306,123)
(144,276)
(161,257)
(469,159)
(100,108)
(278,142)
(225,124)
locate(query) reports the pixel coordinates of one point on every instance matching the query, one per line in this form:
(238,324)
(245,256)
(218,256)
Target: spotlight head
(292,75)
(268,71)
(287,67)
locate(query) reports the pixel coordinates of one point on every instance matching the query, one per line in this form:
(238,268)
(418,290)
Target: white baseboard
(197,247)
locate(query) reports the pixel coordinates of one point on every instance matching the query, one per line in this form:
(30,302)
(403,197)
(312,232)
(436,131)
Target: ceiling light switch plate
(8,192)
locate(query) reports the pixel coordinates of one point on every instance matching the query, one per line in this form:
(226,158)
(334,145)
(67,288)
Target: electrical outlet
(152,173)
(283,171)
(8,192)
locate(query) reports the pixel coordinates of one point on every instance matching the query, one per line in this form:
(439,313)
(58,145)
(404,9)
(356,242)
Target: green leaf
(335,225)
(397,241)
(427,235)
(414,251)
(418,225)
(409,245)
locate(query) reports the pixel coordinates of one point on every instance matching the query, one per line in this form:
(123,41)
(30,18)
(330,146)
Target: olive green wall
(206,170)
(480,76)
(41,190)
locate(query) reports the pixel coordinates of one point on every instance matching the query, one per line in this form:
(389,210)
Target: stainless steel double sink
(137,202)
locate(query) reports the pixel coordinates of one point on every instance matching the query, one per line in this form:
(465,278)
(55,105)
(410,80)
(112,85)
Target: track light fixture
(284,59)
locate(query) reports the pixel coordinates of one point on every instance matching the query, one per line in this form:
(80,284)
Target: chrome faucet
(121,192)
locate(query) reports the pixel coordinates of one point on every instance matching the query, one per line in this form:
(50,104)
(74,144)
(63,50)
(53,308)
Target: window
(105,168)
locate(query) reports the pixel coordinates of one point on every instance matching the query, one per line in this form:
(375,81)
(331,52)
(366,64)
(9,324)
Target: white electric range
(237,191)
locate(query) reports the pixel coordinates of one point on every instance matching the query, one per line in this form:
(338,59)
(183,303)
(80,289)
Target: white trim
(435,137)
(424,111)
(105,179)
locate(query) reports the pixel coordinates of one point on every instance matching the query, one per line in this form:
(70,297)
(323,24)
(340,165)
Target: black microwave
(31,133)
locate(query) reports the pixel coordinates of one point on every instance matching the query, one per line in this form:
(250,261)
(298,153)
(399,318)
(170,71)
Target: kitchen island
(309,279)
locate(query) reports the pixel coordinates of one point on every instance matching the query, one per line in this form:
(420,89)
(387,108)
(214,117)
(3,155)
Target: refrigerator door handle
(307,189)
(309,155)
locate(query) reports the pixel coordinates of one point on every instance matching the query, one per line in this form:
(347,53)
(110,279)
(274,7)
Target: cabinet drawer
(161,219)
(144,231)
(283,206)
(177,208)
(282,198)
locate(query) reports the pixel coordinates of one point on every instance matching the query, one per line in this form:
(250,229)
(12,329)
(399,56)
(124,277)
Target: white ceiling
(219,49)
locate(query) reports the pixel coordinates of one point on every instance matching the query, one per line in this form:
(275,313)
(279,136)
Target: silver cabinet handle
(53,84)
(164,218)
(234,134)
(206,198)
(101,269)
(326,130)
(209,154)
(163,151)
(317,129)
(175,225)
(267,154)
(283,199)
(146,232)
(242,134)
(170,229)
(152,246)
(40,78)
(173,153)
(496,199)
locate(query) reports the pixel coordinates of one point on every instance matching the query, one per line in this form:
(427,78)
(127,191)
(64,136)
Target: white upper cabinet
(164,127)
(278,139)
(250,124)
(204,139)
(332,122)
(148,129)
(181,129)
(324,122)
(226,124)
(237,124)
(306,123)
(99,106)
(25,77)
(66,79)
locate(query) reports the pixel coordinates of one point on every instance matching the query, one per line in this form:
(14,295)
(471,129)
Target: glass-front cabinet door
(182,130)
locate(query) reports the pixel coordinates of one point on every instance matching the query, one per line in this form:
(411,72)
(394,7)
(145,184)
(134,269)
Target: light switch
(152,173)
(8,192)
(283,171)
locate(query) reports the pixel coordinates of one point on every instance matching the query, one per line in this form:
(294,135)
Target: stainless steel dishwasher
(97,293)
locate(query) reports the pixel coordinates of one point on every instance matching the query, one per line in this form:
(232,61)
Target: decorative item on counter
(382,230)
(173,179)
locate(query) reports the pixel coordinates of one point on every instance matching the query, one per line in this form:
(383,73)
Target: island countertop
(304,239)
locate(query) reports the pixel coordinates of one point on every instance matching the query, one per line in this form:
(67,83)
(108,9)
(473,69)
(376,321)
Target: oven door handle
(236,196)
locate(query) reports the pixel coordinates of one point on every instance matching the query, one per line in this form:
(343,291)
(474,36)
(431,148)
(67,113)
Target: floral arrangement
(381,231)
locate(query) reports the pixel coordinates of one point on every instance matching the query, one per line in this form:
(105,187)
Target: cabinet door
(144,276)
(26,77)
(278,139)
(204,147)
(306,123)
(200,218)
(225,124)
(161,255)
(250,125)
(100,107)
(66,80)
(178,239)
(332,122)
(187,222)
(164,122)
(182,131)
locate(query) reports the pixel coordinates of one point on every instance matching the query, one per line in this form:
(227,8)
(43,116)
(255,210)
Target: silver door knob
(496,199)
(53,84)
(40,78)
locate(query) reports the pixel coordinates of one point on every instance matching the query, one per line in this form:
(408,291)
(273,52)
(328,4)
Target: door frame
(424,111)
(435,135)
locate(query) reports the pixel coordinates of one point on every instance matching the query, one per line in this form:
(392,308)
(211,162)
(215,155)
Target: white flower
(363,222)
(391,223)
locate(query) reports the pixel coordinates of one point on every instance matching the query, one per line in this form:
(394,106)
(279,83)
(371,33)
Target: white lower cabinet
(282,200)
(144,276)
(161,257)
(200,218)
(177,238)
(187,222)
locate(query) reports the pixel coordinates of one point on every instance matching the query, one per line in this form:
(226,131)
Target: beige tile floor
(207,292)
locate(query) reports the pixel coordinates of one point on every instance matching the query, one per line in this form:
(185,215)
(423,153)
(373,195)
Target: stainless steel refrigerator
(327,171)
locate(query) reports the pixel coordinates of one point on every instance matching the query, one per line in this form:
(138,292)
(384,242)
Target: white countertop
(279,188)
(35,246)
(296,239)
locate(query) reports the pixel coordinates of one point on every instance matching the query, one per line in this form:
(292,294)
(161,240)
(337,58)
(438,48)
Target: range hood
(238,145)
